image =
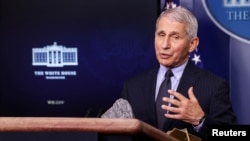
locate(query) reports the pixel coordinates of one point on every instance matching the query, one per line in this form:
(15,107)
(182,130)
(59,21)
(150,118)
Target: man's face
(172,46)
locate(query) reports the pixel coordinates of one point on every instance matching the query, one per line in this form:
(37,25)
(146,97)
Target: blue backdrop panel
(114,40)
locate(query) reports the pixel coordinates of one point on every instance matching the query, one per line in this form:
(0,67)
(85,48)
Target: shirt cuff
(197,127)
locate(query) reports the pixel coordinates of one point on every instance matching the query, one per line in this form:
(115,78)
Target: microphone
(88,113)
(99,112)
(120,109)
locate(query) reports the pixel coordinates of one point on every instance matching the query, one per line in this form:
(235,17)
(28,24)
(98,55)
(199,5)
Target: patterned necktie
(165,85)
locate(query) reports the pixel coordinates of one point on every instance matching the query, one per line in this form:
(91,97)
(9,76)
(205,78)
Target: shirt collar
(177,71)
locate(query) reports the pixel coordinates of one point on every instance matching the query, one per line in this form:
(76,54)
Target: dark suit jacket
(211,91)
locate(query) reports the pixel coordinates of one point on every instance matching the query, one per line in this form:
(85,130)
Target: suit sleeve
(219,110)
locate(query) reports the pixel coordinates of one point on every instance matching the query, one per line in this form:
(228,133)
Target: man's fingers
(170,109)
(172,101)
(176,95)
(191,94)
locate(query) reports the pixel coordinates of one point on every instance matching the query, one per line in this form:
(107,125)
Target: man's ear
(193,44)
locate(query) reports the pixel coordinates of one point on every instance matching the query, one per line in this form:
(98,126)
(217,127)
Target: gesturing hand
(185,109)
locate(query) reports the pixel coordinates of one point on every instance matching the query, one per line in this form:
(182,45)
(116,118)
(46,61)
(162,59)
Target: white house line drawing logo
(54,56)
(236,3)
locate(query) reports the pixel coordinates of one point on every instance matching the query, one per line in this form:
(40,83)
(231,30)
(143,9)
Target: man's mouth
(164,55)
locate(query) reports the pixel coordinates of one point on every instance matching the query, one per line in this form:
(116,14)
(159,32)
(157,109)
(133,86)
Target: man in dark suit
(197,99)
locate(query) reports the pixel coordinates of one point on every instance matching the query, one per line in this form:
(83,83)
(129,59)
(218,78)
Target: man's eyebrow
(161,31)
(174,33)
(171,33)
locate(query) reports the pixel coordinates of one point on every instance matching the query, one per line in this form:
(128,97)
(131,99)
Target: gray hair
(182,15)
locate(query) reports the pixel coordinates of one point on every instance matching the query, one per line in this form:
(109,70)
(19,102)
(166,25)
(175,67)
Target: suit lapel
(188,79)
(150,99)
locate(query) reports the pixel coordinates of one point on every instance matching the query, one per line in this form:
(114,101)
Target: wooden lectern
(110,127)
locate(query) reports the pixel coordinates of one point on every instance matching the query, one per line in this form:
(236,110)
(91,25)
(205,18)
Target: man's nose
(165,43)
